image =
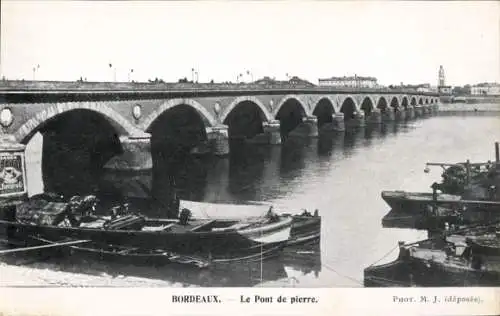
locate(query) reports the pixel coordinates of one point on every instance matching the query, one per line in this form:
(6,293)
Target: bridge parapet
(54,87)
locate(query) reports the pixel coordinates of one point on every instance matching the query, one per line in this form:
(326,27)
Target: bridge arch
(245,117)
(291,97)
(291,112)
(426,100)
(420,101)
(394,103)
(119,123)
(367,105)
(404,102)
(268,115)
(413,101)
(382,104)
(207,118)
(324,110)
(349,107)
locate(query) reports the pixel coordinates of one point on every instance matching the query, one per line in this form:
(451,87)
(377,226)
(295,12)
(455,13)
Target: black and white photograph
(250,144)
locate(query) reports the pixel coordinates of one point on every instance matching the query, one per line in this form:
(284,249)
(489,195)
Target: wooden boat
(415,202)
(136,256)
(443,267)
(487,245)
(436,262)
(306,226)
(210,239)
(432,221)
(393,274)
(306,230)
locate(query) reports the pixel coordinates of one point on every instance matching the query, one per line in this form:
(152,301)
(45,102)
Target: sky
(392,41)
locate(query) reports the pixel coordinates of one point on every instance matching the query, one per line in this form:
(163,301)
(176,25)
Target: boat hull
(409,270)
(111,253)
(223,246)
(306,230)
(412,203)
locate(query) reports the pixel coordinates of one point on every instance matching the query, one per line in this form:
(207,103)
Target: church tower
(441,81)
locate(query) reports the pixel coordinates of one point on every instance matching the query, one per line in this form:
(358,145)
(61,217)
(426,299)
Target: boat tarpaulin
(41,212)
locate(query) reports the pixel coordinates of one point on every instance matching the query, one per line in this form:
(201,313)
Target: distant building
(485,89)
(442,87)
(293,81)
(445,90)
(351,81)
(298,81)
(423,87)
(441,77)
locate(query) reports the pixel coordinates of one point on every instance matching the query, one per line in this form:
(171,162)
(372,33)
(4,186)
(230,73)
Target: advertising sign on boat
(12,177)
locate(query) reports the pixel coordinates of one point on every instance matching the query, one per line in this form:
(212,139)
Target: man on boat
(273,217)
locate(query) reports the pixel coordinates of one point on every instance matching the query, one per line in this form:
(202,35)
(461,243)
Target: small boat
(215,240)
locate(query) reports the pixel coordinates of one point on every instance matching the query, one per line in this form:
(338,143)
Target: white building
(351,81)
(485,89)
(445,90)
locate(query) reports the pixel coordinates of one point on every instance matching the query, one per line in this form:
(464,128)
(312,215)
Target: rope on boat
(341,274)
(68,243)
(385,256)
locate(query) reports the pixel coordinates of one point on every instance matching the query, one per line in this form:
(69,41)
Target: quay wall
(470,107)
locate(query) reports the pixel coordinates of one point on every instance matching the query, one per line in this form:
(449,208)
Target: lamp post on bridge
(130,73)
(114,71)
(35,68)
(194,75)
(250,74)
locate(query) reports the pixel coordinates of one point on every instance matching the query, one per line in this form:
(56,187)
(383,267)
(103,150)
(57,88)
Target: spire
(441,79)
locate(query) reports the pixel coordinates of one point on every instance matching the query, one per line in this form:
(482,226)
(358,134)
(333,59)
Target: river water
(341,175)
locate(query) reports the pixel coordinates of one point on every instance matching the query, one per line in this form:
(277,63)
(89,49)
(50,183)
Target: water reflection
(272,271)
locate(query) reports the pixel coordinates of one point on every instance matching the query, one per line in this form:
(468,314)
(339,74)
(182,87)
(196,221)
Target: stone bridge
(136,113)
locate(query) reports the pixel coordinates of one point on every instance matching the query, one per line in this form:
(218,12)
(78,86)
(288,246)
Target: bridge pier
(424,110)
(136,154)
(311,125)
(308,127)
(435,108)
(388,115)
(399,115)
(410,113)
(375,117)
(358,120)
(272,132)
(338,122)
(428,109)
(130,173)
(218,139)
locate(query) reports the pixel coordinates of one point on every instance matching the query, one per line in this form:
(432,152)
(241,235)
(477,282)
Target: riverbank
(470,107)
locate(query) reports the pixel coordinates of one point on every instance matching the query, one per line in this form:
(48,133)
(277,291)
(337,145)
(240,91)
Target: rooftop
(348,78)
(487,84)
